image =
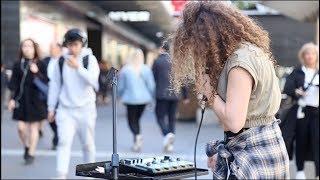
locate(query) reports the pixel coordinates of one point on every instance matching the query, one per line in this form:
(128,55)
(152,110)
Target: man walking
(166,100)
(50,62)
(73,88)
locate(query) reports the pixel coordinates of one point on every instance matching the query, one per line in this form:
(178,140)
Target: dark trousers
(54,128)
(134,113)
(166,108)
(307,137)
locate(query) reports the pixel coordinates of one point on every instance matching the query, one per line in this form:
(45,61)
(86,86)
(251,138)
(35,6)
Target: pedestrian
(136,89)
(50,62)
(71,101)
(26,102)
(302,85)
(166,99)
(4,83)
(104,85)
(228,57)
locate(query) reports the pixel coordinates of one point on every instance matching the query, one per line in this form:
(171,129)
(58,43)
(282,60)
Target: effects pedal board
(156,165)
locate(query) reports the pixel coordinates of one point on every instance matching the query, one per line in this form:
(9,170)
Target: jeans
(166,108)
(69,122)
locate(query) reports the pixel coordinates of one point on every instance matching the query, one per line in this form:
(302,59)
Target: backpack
(85,61)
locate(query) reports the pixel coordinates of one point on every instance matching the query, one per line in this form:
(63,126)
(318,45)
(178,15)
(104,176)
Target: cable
(195,145)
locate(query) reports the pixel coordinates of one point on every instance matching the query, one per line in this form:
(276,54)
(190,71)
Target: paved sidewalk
(44,167)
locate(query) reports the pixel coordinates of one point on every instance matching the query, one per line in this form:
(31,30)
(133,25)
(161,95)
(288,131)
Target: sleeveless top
(265,95)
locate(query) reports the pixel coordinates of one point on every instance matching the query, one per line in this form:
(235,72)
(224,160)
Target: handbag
(43,88)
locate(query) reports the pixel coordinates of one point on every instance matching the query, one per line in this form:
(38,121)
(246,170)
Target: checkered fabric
(257,153)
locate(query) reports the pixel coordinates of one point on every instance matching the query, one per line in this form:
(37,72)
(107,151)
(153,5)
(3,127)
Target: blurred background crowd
(134,33)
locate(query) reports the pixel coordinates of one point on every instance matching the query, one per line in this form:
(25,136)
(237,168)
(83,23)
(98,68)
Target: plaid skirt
(257,153)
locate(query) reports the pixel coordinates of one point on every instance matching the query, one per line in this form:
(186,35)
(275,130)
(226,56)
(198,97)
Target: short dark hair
(165,45)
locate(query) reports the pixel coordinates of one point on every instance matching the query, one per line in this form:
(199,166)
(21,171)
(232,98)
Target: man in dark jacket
(55,55)
(166,99)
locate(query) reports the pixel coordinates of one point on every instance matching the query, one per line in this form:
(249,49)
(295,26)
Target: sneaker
(138,141)
(29,159)
(26,152)
(168,142)
(300,175)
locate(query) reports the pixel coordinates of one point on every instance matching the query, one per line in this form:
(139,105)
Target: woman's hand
(300,92)
(34,68)
(212,161)
(11,105)
(204,87)
(50,117)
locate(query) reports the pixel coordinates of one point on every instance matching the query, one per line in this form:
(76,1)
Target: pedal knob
(154,162)
(178,159)
(166,157)
(149,164)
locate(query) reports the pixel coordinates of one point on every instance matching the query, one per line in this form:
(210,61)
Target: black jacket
(161,70)
(31,106)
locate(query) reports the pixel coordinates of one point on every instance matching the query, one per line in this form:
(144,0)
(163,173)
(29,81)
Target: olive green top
(265,96)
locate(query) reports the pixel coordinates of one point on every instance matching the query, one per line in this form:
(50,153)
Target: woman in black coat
(302,120)
(27,102)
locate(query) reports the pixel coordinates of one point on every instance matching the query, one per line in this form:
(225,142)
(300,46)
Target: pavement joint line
(99,154)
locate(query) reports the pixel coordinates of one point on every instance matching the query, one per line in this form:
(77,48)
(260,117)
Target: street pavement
(12,164)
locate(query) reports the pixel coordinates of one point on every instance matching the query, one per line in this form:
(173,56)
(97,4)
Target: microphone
(202,101)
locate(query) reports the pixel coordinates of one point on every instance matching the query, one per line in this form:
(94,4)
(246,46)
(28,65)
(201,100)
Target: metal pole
(115,156)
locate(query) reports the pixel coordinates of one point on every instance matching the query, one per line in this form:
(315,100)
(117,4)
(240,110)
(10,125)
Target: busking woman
(27,100)
(303,86)
(228,57)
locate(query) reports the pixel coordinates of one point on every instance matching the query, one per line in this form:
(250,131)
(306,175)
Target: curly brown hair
(209,32)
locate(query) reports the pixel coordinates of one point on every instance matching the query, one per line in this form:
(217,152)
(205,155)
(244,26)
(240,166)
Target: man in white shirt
(73,88)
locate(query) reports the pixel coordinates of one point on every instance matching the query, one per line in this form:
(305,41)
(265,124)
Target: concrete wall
(287,36)
(10,31)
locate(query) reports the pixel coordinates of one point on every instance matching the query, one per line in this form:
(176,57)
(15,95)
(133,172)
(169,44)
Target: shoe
(300,175)
(168,142)
(29,159)
(138,141)
(26,152)
(40,134)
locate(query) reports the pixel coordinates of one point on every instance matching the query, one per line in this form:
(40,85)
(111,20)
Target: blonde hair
(308,46)
(136,60)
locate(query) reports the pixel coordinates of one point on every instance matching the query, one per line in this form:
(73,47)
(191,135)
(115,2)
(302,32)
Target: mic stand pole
(113,168)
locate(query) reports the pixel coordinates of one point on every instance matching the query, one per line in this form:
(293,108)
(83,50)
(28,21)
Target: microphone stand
(113,167)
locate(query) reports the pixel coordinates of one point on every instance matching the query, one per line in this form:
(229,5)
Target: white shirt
(312,94)
(50,69)
(78,85)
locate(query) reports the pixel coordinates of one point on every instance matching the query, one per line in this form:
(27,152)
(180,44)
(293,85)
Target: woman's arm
(14,82)
(233,112)
(290,85)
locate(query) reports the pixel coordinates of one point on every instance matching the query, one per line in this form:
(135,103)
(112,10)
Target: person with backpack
(136,89)
(302,120)
(50,62)
(72,99)
(27,101)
